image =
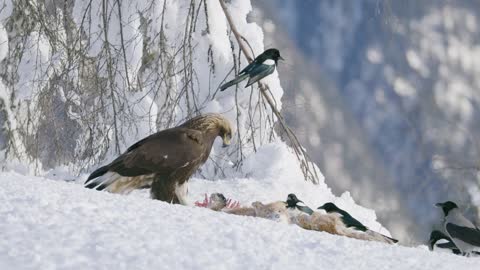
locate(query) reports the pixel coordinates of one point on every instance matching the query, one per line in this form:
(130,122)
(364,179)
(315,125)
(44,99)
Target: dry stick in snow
(307,166)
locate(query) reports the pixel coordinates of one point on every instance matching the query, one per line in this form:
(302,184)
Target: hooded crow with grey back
(463,233)
(436,236)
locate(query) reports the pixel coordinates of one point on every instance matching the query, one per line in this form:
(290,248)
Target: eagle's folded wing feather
(156,156)
(164,153)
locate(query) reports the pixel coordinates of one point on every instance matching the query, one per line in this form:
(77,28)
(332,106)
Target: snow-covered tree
(82,80)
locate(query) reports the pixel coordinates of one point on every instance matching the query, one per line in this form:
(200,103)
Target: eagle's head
(225,132)
(214,123)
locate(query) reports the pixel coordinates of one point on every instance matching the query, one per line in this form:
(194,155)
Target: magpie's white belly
(269,62)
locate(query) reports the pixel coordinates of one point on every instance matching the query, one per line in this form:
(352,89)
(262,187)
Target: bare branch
(308,168)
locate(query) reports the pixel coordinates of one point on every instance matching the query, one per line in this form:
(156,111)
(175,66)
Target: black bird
(463,233)
(294,203)
(258,69)
(349,221)
(435,236)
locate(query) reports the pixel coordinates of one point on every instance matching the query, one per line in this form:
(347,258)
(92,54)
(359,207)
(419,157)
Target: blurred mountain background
(384,96)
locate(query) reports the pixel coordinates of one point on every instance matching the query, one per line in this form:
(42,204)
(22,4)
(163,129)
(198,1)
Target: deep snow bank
(49,224)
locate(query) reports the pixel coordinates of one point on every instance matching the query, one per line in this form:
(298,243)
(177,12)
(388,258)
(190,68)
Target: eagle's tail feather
(116,183)
(234,81)
(99,179)
(98,172)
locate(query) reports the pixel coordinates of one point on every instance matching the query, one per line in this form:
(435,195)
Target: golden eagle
(163,161)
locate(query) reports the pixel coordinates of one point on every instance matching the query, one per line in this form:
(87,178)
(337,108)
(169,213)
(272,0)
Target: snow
(374,55)
(403,88)
(172,39)
(34,65)
(162,62)
(3,42)
(50,224)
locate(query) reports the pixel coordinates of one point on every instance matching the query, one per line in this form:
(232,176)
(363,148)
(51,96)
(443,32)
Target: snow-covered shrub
(82,80)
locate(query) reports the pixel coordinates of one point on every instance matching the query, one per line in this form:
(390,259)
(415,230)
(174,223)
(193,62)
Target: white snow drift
(49,224)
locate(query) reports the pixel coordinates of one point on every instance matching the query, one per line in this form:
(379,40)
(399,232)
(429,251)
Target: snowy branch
(308,167)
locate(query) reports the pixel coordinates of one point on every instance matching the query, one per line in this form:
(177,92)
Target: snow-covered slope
(49,224)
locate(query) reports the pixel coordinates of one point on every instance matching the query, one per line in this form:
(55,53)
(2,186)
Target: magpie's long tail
(233,82)
(390,238)
(380,237)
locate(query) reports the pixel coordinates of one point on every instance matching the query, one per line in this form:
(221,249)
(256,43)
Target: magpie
(463,233)
(351,222)
(262,66)
(294,203)
(436,236)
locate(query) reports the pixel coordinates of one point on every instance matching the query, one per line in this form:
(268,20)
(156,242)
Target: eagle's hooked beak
(226,141)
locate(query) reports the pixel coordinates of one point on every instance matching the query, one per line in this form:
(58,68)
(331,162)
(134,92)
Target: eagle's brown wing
(157,156)
(162,152)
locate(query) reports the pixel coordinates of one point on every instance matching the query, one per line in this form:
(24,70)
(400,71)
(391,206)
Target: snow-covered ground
(48,224)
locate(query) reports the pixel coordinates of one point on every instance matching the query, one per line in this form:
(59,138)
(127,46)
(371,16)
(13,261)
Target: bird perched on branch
(351,222)
(463,233)
(262,66)
(164,161)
